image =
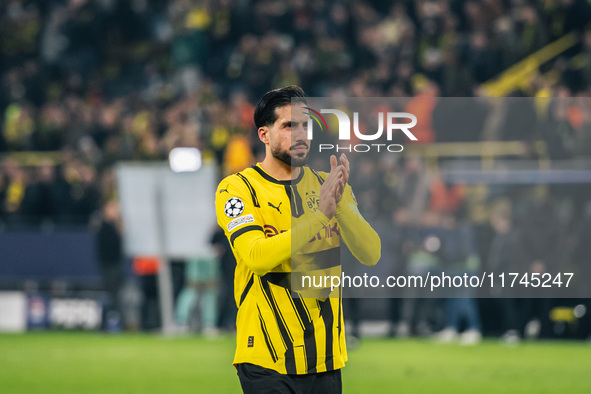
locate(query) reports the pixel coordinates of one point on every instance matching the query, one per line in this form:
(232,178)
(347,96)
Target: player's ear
(264,134)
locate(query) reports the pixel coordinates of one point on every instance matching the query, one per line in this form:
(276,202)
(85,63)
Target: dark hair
(264,113)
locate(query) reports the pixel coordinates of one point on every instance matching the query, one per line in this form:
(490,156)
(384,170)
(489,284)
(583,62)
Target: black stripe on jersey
(300,318)
(309,336)
(246,289)
(339,326)
(328,317)
(244,230)
(274,301)
(282,279)
(285,344)
(290,365)
(270,346)
(327,258)
(295,200)
(253,194)
(318,176)
(273,180)
(306,309)
(298,198)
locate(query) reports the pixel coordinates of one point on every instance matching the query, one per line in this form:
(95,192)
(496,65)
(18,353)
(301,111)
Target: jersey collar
(269,178)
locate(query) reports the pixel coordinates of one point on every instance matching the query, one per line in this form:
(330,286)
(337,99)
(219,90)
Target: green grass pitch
(57,362)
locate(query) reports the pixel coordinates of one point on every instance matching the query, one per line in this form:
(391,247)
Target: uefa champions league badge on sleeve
(233,207)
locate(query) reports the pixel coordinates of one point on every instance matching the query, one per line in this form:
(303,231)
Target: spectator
(461,254)
(13,185)
(43,196)
(227,305)
(503,257)
(541,247)
(146,268)
(110,256)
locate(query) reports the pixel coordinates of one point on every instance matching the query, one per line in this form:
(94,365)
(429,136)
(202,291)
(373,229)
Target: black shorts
(259,380)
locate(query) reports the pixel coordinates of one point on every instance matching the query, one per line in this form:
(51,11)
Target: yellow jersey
(265,220)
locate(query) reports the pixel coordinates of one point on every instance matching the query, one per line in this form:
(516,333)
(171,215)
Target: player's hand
(344,169)
(328,190)
(346,172)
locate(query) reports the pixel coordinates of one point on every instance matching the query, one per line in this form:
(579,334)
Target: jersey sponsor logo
(329,231)
(233,207)
(271,231)
(240,221)
(276,207)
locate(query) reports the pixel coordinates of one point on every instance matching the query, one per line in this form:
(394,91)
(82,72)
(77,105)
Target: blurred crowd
(88,83)
(98,81)
(429,225)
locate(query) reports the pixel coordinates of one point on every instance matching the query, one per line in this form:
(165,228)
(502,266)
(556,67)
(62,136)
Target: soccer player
(274,213)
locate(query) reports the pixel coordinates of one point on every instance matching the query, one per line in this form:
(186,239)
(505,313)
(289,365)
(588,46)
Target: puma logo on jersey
(225,190)
(276,207)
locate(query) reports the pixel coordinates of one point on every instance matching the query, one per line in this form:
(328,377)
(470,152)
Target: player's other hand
(344,169)
(330,189)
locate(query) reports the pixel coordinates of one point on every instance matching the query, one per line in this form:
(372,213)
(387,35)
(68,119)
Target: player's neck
(279,170)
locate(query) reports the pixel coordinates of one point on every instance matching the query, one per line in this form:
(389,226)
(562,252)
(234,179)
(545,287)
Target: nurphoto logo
(394,121)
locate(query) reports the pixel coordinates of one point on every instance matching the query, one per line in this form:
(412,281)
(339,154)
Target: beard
(295,160)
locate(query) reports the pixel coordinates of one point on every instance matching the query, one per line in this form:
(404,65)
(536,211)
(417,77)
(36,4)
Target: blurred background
(88,85)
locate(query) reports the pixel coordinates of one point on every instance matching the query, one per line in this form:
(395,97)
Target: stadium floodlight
(185,159)
(579,311)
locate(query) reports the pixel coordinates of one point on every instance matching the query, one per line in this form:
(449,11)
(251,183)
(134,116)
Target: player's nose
(300,132)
